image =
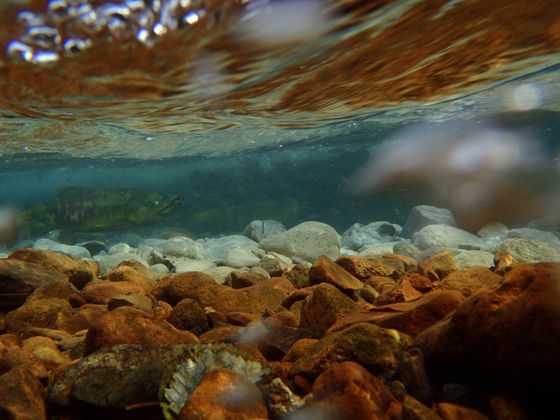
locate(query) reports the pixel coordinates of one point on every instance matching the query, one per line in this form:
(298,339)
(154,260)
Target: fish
(98,209)
(9,228)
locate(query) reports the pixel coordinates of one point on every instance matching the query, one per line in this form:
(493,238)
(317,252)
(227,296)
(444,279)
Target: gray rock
(108,262)
(94,247)
(531,250)
(155,243)
(218,248)
(493,233)
(530,233)
(466,259)
(183,265)
(181,246)
(377,251)
(306,241)
(219,274)
(131,238)
(359,237)
(422,216)
(115,376)
(274,265)
(121,247)
(347,251)
(160,269)
(446,236)
(406,249)
(427,253)
(241,257)
(72,250)
(257,230)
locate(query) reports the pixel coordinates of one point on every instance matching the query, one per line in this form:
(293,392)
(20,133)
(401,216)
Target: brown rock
(377,349)
(55,261)
(401,292)
(448,411)
(239,279)
(282,318)
(324,270)
(21,396)
(296,296)
(299,348)
(412,373)
(83,318)
(133,326)
(438,266)
(509,332)
(194,285)
(362,268)
(408,262)
(299,276)
(471,280)
(45,350)
(221,334)
(161,309)
(14,357)
(348,391)
(133,271)
(241,318)
(18,279)
(59,289)
(381,284)
(413,409)
(38,313)
(419,282)
(103,291)
(324,307)
(506,408)
(503,262)
(131,299)
(189,315)
(224,394)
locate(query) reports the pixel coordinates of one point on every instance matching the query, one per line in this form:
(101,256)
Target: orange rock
(133,326)
(133,271)
(22,395)
(324,307)
(419,282)
(410,318)
(471,280)
(221,334)
(299,348)
(363,268)
(43,313)
(189,315)
(409,263)
(348,391)
(83,318)
(55,261)
(226,395)
(103,291)
(509,332)
(381,284)
(324,270)
(438,266)
(448,411)
(401,292)
(61,289)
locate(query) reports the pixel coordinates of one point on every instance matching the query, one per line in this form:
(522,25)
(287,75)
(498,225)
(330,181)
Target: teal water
(241,121)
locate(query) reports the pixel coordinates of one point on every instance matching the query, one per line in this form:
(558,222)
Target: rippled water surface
(166,78)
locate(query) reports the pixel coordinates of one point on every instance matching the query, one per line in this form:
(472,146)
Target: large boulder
(306,241)
(422,216)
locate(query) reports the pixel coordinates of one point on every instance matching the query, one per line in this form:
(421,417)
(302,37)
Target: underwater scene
(279,209)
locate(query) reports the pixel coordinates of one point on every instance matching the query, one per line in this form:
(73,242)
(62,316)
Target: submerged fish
(8,226)
(85,209)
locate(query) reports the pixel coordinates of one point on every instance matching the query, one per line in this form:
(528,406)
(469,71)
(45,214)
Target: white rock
(446,236)
(219,274)
(530,233)
(72,250)
(217,248)
(155,243)
(377,251)
(407,249)
(280,257)
(359,237)
(181,246)
(493,233)
(108,262)
(422,216)
(241,257)
(257,230)
(183,265)
(347,252)
(159,269)
(531,250)
(306,241)
(273,264)
(120,248)
(467,258)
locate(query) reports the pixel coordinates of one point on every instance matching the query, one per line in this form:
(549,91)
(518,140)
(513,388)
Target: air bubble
(191,18)
(159,29)
(44,57)
(18,49)
(43,36)
(30,19)
(74,45)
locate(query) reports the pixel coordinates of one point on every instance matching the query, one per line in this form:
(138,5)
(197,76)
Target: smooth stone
(438,266)
(72,250)
(121,247)
(181,246)
(324,270)
(56,261)
(257,230)
(137,300)
(155,243)
(530,233)
(219,274)
(60,289)
(422,216)
(133,271)
(493,233)
(241,257)
(189,315)
(406,249)
(108,262)
(274,265)
(218,248)
(44,313)
(468,258)
(159,269)
(103,291)
(359,237)
(307,241)
(94,247)
(347,251)
(377,251)
(363,268)
(116,376)
(187,264)
(446,236)
(530,250)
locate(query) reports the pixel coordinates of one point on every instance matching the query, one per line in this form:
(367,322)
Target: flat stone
(422,216)
(109,262)
(103,291)
(466,259)
(137,300)
(325,270)
(446,236)
(364,268)
(471,280)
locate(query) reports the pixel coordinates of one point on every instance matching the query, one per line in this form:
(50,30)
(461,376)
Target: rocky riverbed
(423,321)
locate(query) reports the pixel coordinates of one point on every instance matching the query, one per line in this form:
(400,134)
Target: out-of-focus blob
(481,171)
(525,97)
(8,226)
(273,22)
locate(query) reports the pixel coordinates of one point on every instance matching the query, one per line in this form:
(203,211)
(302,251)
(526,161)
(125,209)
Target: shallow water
(254,109)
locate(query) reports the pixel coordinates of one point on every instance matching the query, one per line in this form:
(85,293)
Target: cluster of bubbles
(69,27)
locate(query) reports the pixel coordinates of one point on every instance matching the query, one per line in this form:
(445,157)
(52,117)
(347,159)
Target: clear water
(261,109)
